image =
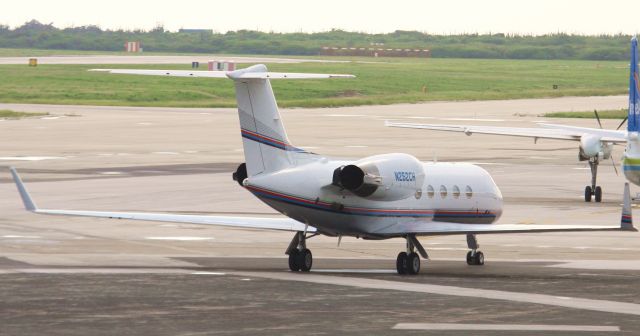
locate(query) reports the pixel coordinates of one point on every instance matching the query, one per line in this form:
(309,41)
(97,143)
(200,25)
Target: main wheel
(402,263)
(294,265)
(470,258)
(598,194)
(413,263)
(305,260)
(478,258)
(587,194)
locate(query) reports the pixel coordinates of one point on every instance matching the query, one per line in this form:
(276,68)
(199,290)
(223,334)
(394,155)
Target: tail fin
(633,125)
(266,145)
(626,220)
(265,142)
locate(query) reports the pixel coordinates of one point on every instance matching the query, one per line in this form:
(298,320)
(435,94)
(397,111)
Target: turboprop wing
(546,131)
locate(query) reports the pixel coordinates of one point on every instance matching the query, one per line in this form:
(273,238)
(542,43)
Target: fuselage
(631,159)
(449,192)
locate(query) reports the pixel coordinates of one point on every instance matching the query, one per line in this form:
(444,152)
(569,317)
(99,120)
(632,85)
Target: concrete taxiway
(68,276)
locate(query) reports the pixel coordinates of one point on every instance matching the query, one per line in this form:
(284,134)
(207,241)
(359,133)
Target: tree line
(36,35)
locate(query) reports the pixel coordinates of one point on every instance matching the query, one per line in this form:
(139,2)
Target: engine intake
(386,177)
(352,178)
(240,174)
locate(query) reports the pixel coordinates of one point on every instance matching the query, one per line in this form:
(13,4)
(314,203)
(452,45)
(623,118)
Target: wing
(286,224)
(548,131)
(445,228)
(431,228)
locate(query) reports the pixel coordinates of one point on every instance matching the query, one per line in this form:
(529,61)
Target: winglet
(626,221)
(24,194)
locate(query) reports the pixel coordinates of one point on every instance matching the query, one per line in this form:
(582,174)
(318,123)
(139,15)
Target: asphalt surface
(78,276)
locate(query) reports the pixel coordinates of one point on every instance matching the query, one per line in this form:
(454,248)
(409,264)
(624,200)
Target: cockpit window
(430,191)
(443,191)
(468,191)
(456,192)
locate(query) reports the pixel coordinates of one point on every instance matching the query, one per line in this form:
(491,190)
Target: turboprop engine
(591,146)
(387,177)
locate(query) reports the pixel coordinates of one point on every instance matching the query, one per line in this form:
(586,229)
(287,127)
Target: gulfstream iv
(377,197)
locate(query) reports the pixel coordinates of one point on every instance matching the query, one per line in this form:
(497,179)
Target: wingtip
(24,194)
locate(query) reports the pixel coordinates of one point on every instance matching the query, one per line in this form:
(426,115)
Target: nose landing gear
(593,189)
(474,257)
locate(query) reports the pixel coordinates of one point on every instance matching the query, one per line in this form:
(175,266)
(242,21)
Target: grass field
(390,81)
(608,114)
(8,114)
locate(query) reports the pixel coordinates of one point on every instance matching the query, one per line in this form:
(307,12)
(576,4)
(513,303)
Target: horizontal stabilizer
(253,72)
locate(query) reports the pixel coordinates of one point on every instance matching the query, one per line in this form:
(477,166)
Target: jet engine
(387,177)
(591,146)
(240,174)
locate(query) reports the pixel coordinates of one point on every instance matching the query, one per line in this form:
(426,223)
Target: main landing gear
(300,257)
(409,262)
(593,190)
(474,257)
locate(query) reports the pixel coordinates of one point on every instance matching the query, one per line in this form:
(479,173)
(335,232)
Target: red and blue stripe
(317,204)
(263,139)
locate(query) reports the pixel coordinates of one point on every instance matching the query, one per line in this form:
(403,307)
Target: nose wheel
(474,257)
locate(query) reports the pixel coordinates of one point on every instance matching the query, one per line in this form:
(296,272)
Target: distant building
(374,52)
(133,46)
(207,31)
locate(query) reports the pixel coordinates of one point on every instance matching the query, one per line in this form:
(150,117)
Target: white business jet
(377,197)
(595,144)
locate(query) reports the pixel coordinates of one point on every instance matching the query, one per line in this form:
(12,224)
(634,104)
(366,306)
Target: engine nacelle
(388,177)
(591,146)
(240,174)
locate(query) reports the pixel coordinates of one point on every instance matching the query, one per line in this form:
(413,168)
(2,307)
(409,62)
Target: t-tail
(633,124)
(266,145)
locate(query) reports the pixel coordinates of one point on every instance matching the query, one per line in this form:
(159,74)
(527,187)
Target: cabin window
(469,192)
(443,191)
(430,191)
(456,192)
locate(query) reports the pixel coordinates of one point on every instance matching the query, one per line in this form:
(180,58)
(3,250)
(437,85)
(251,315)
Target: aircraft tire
(294,265)
(478,259)
(587,194)
(470,260)
(402,263)
(598,194)
(305,260)
(413,263)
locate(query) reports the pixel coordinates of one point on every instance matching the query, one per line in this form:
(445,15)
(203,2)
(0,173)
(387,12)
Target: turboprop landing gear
(409,262)
(474,257)
(593,190)
(300,257)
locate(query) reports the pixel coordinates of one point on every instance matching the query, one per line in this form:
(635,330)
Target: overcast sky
(445,17)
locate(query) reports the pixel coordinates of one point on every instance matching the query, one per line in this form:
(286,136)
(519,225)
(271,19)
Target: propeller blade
(598,118)
(622,123)
(614,166)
